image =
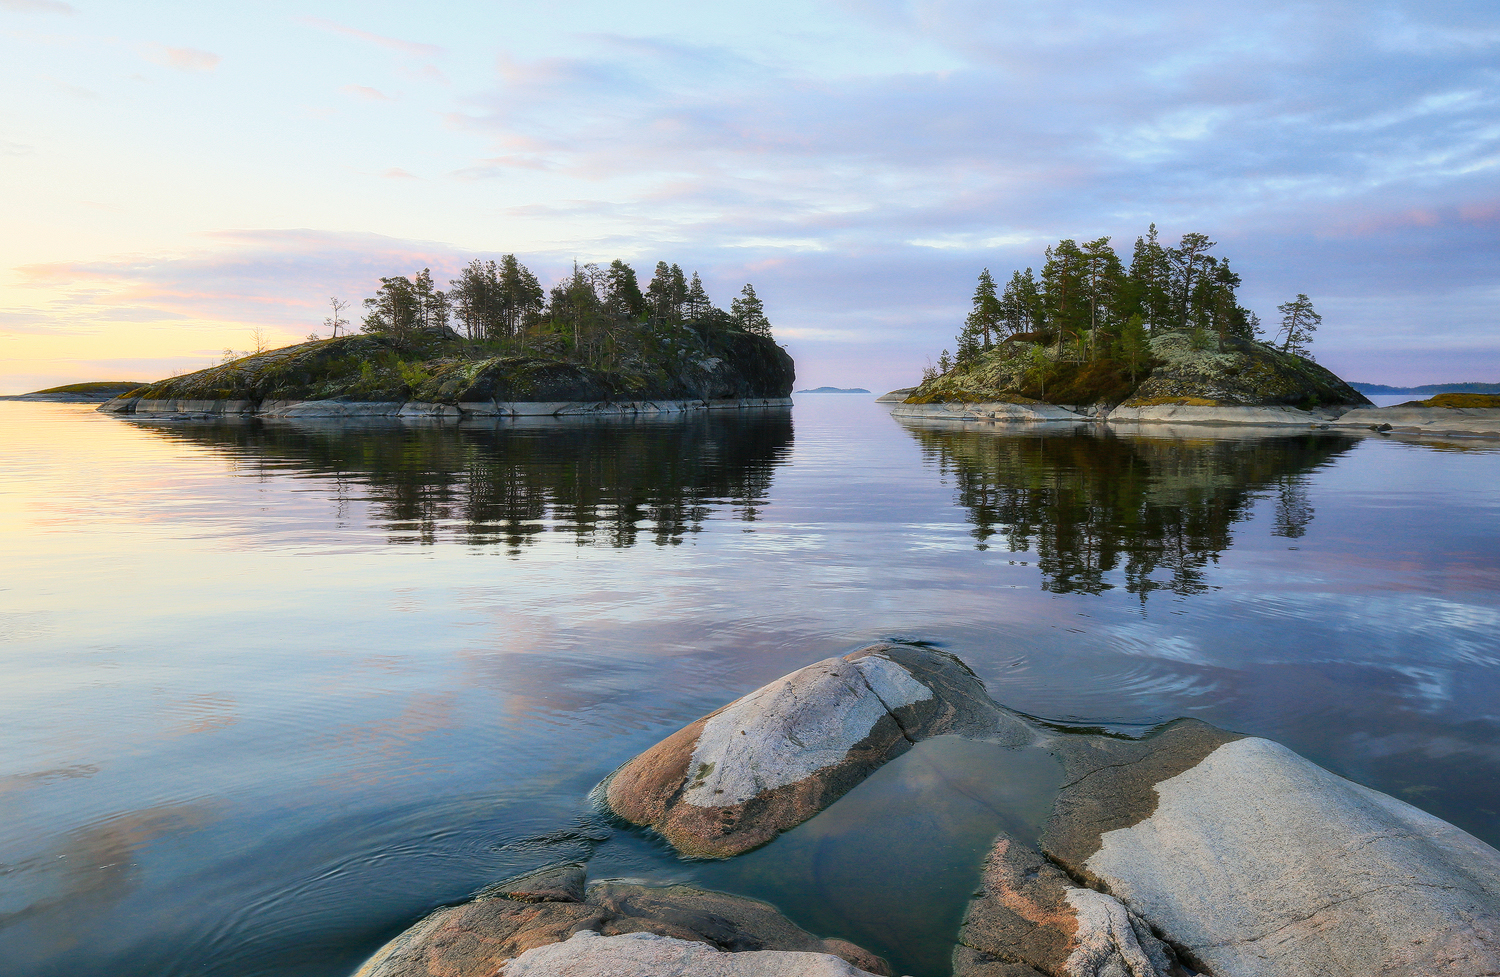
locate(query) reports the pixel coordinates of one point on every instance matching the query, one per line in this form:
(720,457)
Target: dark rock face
(767,762)
(477,938)
(436,367)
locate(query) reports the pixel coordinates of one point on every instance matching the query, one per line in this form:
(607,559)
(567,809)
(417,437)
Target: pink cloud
(38,7)
(366,92)
(183,58)
(412,48)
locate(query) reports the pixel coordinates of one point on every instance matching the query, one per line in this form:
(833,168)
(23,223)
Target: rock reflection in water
(1157,507)
(504,483)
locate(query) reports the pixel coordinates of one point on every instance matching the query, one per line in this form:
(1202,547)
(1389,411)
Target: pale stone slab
(1016,413)
(587,954)
(1187,414)
(1262,864)
(794,727)
(1483,421)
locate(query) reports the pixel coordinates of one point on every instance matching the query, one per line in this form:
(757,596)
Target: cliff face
(1230,372)
(441,369)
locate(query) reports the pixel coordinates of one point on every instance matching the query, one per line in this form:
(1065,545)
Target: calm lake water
(273,692)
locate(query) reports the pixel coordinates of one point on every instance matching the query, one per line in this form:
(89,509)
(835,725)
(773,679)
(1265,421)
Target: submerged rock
(646,955)
(478,938)
(766,762)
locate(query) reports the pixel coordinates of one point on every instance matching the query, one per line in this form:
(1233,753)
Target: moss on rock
(1184,370)
(438,367)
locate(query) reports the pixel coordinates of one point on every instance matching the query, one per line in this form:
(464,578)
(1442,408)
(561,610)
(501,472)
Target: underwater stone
(772,759)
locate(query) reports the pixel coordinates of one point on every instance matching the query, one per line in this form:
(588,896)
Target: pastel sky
(176,175)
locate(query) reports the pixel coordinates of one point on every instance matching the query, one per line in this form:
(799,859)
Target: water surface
(274,691)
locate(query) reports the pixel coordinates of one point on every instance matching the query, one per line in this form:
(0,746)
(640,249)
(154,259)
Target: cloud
(38,7)
(183,58)
(365,92)
(411,48)
(397,173)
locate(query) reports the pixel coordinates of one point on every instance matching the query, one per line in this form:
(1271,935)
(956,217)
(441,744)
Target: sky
(175,176)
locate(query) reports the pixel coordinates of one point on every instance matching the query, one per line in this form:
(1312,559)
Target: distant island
(595,343)
(1429,388)
(1167,332)
(90,392)
(835,390)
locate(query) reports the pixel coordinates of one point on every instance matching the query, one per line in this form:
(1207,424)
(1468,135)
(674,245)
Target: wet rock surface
(1255,861)
(767,762)
(1029,917)
(539,909)
(647,955)
(1190,850)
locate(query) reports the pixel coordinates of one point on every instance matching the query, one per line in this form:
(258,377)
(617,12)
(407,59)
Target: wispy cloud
(365,92)
(38,7)
(183,58)
(413,49)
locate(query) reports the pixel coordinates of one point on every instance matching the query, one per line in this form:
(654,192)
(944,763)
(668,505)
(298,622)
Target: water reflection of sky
(294,687)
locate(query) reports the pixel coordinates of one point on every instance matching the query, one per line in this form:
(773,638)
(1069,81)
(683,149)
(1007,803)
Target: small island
(1164,340)
(496,344)
(835,390)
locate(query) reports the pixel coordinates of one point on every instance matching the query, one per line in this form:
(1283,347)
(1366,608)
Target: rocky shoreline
(1188,850)
(1442,421)
(415,410)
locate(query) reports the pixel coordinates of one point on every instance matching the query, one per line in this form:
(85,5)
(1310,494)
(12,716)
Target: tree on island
(594,315)
(1298,323)
(336,321)
(748,313)
(1086,307)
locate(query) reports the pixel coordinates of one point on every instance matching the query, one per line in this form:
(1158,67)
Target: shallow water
(273,692)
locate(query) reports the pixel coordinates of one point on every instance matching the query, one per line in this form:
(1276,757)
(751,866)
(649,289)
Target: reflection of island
(504,484)
(1089,502)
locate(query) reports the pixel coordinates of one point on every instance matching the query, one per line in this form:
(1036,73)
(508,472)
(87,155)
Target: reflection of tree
(1090,502)
(1293,508)
(504,484)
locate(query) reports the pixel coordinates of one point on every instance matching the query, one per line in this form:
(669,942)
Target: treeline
(1090,305)
(590,311)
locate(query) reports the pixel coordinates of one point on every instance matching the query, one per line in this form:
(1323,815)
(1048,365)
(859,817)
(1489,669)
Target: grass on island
(1459,400)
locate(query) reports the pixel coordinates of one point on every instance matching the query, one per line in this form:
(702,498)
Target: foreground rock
(477,938)
(1029,918)
(735,779)
(587,954)
(1252,861)
(433,373)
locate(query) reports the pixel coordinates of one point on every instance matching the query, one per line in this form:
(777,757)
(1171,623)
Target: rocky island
(597,344)
(1164,341)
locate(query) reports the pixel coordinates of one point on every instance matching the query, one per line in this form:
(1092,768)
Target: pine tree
(987,316)
(1298,323)
(622,296)
(697,300)
(748,314)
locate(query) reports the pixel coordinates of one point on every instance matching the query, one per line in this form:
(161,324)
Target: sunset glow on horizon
(177,176)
